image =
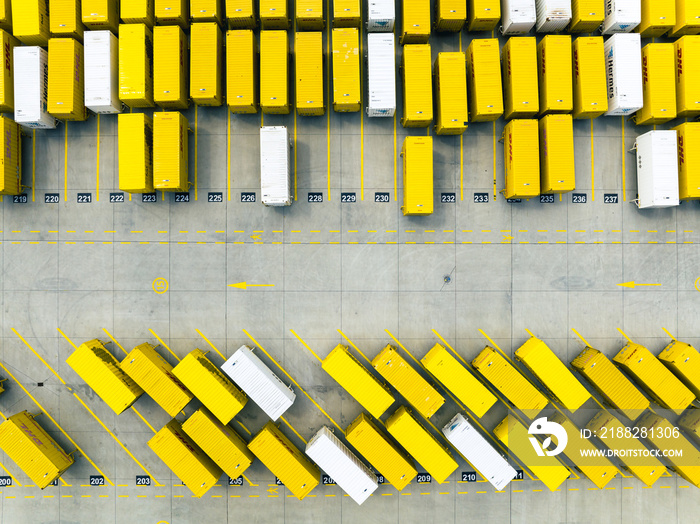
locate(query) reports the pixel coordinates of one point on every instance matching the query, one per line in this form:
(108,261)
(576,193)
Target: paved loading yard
(91,270)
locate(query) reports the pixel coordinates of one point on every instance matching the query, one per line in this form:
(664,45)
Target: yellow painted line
(65,161)
(97,191)
(330,102)
(209,342)
(33,162)
(14,479)
(395,186)
(668,333)
(494,160)
(592,165)
(142,418)
(115,341)
(354,346)
(64,336)
(196,147)
(38,356)
(624,335)
(628,487)
(228,154)
(362,139)
(582,339)
(306,346)
(624,152)
(164,344)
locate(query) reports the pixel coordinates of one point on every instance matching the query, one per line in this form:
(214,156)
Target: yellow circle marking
(160,286)
(697,284)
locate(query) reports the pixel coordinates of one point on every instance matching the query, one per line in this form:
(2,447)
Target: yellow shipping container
(66,98)
(586,16)
(557,163)
(554,70)
(273,14)
(274,68)
(421,444)
(417,86)
(458,380)
(689,160)
(241,14)
(206,55)
(631,452)
(450,76)
(6,15)
(519,60)
(101,15)
(207,11)
(210,386)
(541,361)
(658,17)
(308,51)
(220,442)
(690,423)
(417,153)
(658,87)
(189,463)
(298,474)
(346,13)
(483,15)
(347,95)
(522,159)
(136,65)
(687,18)
(170,50)
(155,376)
(30,23)
(241,71)
(7,90)
(172,12)
(450,15)
(684,362)
(387,458)
(309,15)
(135,134)
(102,372)
(582,453)
(508,380)
(484,80)
(687,76)
(610,382)
(407,381)
(170,151)
(654,378)
(347,371)
(137,12)
(33,450)
(515,436)
(590,80)
(66,19)
(11,157)
(415,28)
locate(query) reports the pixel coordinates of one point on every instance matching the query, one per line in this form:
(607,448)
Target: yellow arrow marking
(245,285)
(255,237)
(633,284)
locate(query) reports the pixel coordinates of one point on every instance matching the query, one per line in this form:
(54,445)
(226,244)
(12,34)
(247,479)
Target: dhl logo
(510,147)
(176,381)
(31,435)
(184,441)
(8,56)
(8,145)
(679,63)
(576,63)
(544,64)
(471,62)
(645,70)
(181,140)
(77,67)
(508,60)
(681,151)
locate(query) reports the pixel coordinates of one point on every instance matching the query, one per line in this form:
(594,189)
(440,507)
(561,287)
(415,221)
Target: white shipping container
(381,87)
(553,15)
(657,169)
(622,16)
(517,16)
(31,88)
(258,382)
(477,450)
(381,15)
(275,166)
(623,66)
(333,457)
(102,72)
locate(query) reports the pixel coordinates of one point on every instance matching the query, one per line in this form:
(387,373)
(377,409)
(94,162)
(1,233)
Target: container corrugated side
(170,62)
(421,444)
(273,14)
(386,457)
(554,67)
(658,17)
(687,50)
(207,11)
(518,16)
(521,158)
(66,98)
(658,85)
(257,381)
(6,15)
(241,14)
(347,93)
(557,161)
(298,474)
(101,371)
(553,16)
(590,82)
(479,452)
(623,65)
(242,65)
(508,380)
(137,12)
(170,151)
(684,362)
(381,73)
(458,380)
(621,16)
(417,153)
(415,28)
(657,169)
(155,376)
(31,73)
(275,166)
(102,72)
(516,438)
(100,15)
(688,160)
(364,387)
(381,16)
(220,442)
(483,15)
(206,57)
(309,15)
(450,77)
(10,157)
(7,92)
(484,84)
(32,449)
(346,13)
(274,67)
(586,15)
(65,19)
(583,454)
(690,423)
(135,152)
(30,22)
(450,15)
(172,12)
(210,386)
(407,381)
(184,458)
(416,63)
(136,65)
(333,457)
(687,18)
(519,59)
(308,68)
